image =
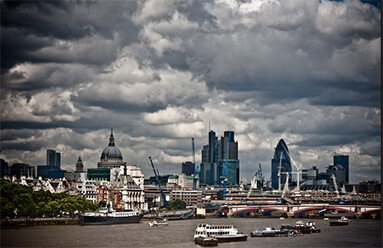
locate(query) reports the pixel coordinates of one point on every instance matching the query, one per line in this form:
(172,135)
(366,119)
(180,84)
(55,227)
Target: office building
(53,158)
(52,168)
(280,165)
(213,160)
(188,168)
(343,161)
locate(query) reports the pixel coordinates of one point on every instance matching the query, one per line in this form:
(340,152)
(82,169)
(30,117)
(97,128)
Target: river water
(359,233)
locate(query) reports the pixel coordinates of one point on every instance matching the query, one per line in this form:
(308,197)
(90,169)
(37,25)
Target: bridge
(292,210)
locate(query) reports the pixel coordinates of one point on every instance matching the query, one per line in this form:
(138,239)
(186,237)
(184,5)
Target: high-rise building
(53,158)
(188,168)
(214,157)
(280,165)
(232,172)
(343,161)
(204,162)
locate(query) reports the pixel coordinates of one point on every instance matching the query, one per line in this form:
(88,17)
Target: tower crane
(254,184)
(261,177)
(299,169)
(158,181)
(196,171)
(225,167)
(335,184)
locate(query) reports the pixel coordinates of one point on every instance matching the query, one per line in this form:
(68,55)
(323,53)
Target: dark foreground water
(359,233)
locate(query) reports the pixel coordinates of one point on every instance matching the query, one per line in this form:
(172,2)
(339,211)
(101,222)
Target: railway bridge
(292,210)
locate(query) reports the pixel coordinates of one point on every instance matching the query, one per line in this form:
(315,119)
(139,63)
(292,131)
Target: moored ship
(343,221)
(223,233)
(105,216)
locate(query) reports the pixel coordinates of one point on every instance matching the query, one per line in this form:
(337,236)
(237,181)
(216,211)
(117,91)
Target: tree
(102,203)
(177,204)
(24,204)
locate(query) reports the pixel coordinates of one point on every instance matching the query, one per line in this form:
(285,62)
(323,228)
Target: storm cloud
(162,72)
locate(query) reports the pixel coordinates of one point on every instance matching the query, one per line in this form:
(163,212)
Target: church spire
(79,165)
(111,138)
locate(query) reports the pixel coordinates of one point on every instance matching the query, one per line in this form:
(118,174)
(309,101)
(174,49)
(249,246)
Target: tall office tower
(232,172)
(213,159)
(208,171)
(53,158)
(211,168)
(203,165)
(343,160)
(188,168)
(280,164)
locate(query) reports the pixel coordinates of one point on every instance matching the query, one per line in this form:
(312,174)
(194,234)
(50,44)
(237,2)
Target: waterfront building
(190,197)
(280,165)
(343,161)
(188,168)
(88,190)
(131,196)
(102,194)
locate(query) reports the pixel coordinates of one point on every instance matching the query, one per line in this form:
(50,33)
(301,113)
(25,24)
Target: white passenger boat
(224,233)
(158,222)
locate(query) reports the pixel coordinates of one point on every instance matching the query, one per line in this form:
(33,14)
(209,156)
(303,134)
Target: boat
(288,230)
(343,221)
(308,228)
(268,232)
(159,222)
(206,241)
(224,233)
(109,216)
(177,214)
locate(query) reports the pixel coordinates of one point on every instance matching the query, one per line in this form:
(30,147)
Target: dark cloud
(161,72)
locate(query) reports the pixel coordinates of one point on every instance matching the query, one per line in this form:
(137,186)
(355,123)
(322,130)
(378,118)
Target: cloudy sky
(158,72)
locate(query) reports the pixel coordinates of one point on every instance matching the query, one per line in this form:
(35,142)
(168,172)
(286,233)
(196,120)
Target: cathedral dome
(111,152)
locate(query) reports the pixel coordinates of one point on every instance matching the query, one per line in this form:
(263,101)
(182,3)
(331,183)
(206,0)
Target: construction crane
(225,167)
(256,182)
(261,178)
(253,185)
(196,172)
(158,181)
(299,168)
(335,184)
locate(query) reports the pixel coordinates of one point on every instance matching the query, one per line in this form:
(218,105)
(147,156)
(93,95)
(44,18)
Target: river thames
(359,233)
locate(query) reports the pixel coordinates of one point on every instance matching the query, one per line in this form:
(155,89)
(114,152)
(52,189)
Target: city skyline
(161,73)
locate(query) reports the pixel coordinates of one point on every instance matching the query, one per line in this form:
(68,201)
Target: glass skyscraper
(214,158)
(343,161)
(281,161)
